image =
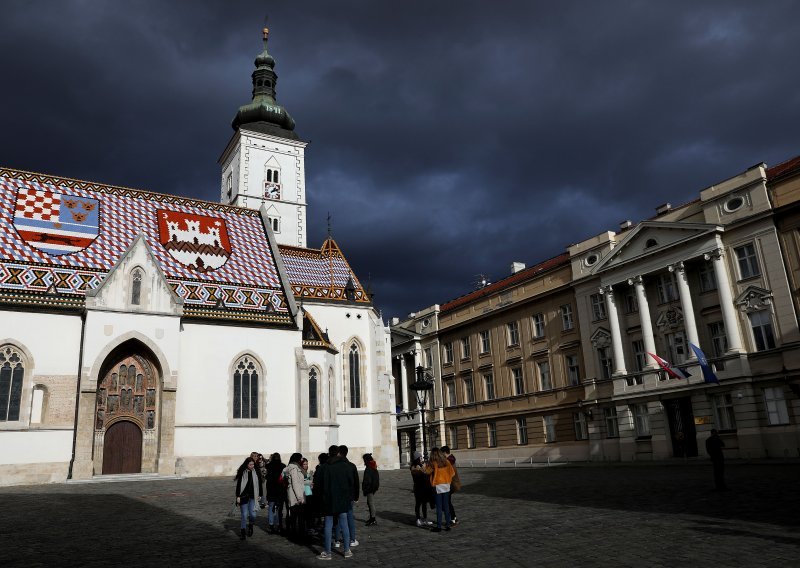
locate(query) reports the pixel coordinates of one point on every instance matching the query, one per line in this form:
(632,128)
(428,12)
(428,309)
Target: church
(158,335)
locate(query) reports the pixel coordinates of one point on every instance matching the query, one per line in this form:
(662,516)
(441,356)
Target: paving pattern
(662,514)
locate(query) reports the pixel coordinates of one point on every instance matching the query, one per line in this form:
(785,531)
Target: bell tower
(264,162)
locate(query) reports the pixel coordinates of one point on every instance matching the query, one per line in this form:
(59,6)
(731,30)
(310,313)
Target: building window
(567,323)
(12,372)
(488,383)
(448,353)
(761,324)
(604,357)
(313,406)
(610,419)
(631,301)
(355,376)
(519,383)
(522,431)
(549,429)
(676,345)
(538,325)
(641,420)
(747,260)
(229,185)
(465,350)
(452,435)
(485,342)
(545,380)
(451,393)
(275,224)
(598,307)
(667,288)
(513,333)
(136,287)
(776,406)
(639,355)
(573,370)
(708,280)
(245,389)
(581,428)
(719,340)
(492,431)
(723,412)
(470,436)
(469,390)
(428,358)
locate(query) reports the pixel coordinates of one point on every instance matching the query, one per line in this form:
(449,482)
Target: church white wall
(36,446)
(53,340)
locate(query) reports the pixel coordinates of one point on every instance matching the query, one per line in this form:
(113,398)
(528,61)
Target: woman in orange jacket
(441,473)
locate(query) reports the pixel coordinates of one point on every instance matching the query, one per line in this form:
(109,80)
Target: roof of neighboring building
(322,274)
(60,237)
(507,282)
(789,167)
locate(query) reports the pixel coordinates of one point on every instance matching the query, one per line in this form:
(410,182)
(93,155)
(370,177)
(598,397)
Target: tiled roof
(321,274)
(60,237)
(313,336)
(788,167)
(508,282)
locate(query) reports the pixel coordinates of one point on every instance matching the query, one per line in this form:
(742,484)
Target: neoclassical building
(150,333)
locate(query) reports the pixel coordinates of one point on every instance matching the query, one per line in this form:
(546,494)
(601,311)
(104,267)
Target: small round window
(650,243)
(426,322)
(591,260)
(734,204)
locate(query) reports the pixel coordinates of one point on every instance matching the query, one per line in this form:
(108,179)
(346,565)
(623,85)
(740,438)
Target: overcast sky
(447,138)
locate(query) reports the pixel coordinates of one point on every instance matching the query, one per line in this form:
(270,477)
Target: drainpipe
(77,393)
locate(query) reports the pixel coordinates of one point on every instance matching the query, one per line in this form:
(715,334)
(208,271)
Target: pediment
(136,284)
(601,338)
(753,299)
(653,237)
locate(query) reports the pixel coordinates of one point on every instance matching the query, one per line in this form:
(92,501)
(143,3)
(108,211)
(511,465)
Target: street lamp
(421,387)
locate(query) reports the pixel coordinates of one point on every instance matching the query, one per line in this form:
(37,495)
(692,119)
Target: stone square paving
(659,514)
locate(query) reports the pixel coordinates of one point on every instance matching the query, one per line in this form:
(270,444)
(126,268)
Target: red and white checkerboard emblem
(38,204)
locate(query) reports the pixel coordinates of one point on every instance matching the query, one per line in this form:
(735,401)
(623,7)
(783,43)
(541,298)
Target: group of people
(318,499)
(435,480)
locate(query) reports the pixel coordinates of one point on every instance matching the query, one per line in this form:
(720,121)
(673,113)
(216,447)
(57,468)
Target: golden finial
(266,34)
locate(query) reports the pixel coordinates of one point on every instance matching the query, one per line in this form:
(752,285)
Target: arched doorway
(122,448)
(125,416)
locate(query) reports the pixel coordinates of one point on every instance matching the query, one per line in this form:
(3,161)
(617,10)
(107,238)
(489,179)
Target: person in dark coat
(714,446)
(369,486)
(351,519)
(336,480)
(276,493)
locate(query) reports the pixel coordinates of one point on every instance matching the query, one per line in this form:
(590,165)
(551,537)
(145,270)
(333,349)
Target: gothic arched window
(12,371)
(136,287)
(313,403)
(245,388)
(355,376)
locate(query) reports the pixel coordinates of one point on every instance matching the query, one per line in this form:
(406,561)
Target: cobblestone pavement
(587,515)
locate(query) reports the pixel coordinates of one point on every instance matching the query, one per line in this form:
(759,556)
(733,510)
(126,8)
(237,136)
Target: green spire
(264,113)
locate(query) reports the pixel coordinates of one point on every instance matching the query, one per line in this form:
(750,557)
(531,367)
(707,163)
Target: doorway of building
(122,448)
(681,427)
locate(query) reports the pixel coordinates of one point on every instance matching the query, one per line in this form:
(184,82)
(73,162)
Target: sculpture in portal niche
(101,417)
(126,398)
(138,404)
(151,397)
(151,419)
(139,378)
(114,384)
(123,375)
(101,395)
(113,403)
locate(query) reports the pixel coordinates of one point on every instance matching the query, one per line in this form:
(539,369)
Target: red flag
(672,371)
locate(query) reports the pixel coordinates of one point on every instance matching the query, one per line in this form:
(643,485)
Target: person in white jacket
(295,495)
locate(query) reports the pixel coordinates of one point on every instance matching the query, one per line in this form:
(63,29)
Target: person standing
(714,446)
(295,495)
(441,472)
(453,486)
(276,494)
(261,469)
(369,486)
(247,491)
(422,490)
(335,479)
(351,519)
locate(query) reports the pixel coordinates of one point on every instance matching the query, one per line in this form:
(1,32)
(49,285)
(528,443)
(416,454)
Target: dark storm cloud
(447,138)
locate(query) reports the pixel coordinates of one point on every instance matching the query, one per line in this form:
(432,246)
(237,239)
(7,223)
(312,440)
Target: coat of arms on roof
(55,223)
(196,241)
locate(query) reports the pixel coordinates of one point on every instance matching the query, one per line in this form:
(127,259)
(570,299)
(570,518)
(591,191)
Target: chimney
(662,209)
(625,226)
(395,321)
(517,266)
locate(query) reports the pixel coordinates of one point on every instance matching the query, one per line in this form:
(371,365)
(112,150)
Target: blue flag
(708,374)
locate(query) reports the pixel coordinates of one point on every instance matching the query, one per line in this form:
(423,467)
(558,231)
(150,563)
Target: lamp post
(421,387)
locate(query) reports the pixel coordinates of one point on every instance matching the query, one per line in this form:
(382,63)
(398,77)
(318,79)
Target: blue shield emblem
(54,223)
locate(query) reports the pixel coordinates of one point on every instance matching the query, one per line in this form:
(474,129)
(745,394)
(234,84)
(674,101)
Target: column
(616,336)
(644,319)
(726,301)
(404,382)
(686,305)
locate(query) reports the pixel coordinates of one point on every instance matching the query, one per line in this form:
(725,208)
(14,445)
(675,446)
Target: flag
(708,374)
(672,371)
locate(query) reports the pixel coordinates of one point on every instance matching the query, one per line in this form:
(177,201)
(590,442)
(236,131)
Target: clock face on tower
(272,190)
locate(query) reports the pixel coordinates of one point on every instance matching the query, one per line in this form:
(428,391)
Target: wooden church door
(126,406)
